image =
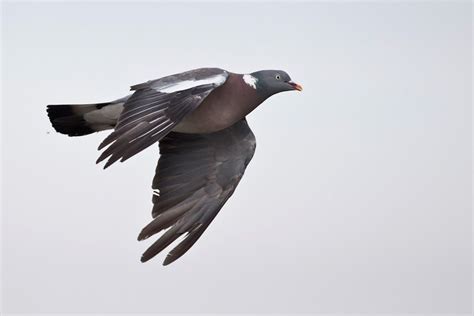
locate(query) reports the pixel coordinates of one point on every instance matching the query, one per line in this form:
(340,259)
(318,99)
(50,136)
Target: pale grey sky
(358,198)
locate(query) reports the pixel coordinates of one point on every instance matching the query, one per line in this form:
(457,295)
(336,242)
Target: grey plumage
(149,114)
(198,118)
(196,174)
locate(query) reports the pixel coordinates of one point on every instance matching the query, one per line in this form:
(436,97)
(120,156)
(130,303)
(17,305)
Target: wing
(155,108)
(195,176)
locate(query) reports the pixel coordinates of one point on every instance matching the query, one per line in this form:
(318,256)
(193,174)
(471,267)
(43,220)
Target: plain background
(358,198)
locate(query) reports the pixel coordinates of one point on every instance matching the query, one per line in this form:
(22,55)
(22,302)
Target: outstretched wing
(155,108)
(195,176)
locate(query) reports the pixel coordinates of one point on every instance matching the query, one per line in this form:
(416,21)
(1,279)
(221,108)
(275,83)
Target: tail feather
(66,120)
(84,119)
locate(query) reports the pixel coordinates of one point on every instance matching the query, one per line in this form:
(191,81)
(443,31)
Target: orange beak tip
(295,86)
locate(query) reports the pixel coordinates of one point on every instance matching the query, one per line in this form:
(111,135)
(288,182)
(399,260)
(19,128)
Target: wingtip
(168,260)
(102,145)
(101,158)
(142,236)
(146,256)
(98,161)
(108,163)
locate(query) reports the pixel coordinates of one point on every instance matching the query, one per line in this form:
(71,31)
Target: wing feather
(155,109)
(195,175)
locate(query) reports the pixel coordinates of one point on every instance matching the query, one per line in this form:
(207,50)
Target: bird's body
(198,117)
(225,106)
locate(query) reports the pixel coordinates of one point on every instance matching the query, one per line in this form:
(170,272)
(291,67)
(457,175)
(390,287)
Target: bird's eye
(277,77)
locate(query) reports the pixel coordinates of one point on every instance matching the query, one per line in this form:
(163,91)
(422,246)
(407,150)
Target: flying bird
(198,118)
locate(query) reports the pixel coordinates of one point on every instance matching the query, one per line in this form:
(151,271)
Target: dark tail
(69,119)
(83,119)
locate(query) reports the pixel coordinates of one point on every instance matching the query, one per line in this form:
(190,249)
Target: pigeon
(198,117)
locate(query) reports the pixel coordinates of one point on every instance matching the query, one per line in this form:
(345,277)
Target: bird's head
(270,82)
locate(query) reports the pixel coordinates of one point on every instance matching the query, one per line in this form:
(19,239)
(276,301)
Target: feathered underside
(195,176)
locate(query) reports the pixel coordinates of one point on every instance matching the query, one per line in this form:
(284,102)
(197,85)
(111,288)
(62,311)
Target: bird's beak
(295,86)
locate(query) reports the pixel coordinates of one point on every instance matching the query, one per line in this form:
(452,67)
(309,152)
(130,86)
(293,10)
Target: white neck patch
(250,80)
